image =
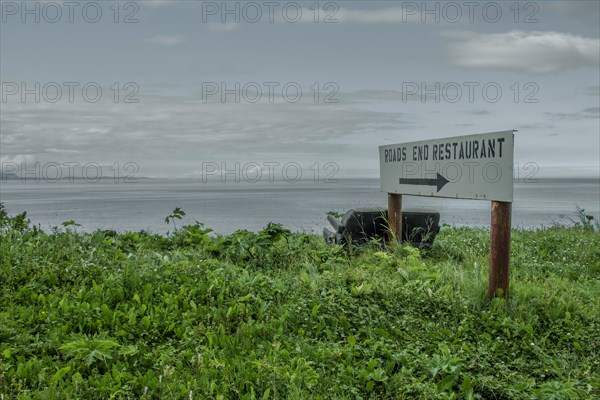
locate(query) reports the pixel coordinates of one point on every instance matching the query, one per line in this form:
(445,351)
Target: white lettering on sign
(465,167)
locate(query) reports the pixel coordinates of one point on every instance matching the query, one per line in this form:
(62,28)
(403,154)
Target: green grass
(274,315)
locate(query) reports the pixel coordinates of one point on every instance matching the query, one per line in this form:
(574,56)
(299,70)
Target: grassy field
(275,315)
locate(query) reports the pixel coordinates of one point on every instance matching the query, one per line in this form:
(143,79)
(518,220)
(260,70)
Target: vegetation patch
(275,314)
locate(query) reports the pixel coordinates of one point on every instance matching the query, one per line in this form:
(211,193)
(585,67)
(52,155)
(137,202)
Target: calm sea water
(300,206)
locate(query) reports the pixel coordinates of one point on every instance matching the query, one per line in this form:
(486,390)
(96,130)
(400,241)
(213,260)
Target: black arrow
(440,181)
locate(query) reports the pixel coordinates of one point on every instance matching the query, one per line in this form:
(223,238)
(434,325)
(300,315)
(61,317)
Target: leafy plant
(586,220)
(193,235)
(177,213)
(335,214)
(90,349)
(274,314)
(3,213)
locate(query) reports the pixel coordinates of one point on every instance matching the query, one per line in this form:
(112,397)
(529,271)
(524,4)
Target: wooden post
(499,249)
(395,216)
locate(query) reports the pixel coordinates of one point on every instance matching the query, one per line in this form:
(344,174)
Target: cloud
(160,3)
(222,27)
(18,159)
(424,92)
(534,52)
(369,95)
(381,15)
(174,135)
(477,112)
(537,125)
(410,12)
(169,135)
(590,9)
(164,40)
(593,90)
(586,114)
(62,151)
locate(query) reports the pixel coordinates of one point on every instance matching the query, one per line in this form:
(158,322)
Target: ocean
(300,206)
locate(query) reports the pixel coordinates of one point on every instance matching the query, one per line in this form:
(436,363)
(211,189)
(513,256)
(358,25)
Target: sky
(177,87)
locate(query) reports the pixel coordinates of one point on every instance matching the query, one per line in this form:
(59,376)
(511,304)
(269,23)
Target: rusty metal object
(361,225)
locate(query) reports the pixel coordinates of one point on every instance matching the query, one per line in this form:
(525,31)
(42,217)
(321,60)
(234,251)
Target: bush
(275,314)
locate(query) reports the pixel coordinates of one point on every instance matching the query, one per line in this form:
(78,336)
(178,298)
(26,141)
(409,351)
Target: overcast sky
(369,61)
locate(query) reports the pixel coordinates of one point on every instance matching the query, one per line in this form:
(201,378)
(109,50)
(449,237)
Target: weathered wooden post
(394,215)
(499,249)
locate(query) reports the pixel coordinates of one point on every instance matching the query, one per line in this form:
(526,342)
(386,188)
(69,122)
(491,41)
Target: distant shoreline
(13,178)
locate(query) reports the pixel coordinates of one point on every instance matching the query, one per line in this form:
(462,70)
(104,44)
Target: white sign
(463,167)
